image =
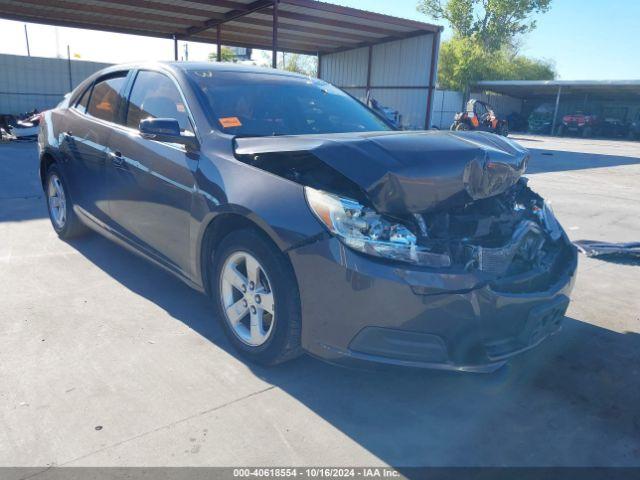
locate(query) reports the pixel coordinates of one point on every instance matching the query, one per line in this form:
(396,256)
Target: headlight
(364,230)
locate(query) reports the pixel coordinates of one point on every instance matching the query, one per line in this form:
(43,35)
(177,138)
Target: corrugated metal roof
(304,26)
(549,88)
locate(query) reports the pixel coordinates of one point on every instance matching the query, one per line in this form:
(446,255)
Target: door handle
(116,159)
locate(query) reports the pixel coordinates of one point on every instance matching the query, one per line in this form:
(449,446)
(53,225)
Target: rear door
(84,141)
(151,183)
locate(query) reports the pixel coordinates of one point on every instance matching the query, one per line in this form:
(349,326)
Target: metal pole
(369,62)
(219,41)
(555,112)
(319,65)
(26,36)
(175,47)
(435,45)
(274,44)
(69,66)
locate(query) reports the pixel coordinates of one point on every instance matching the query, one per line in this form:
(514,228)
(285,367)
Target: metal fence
(35,82)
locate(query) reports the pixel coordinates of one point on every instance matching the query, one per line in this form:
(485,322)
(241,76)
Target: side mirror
(167,130)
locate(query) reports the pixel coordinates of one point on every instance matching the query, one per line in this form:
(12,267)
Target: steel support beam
(219,41)
(555,111)
(274,43)
(232,15)
(435,48)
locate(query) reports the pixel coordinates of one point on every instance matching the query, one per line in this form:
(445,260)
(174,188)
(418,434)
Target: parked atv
(582,124)
(480,116)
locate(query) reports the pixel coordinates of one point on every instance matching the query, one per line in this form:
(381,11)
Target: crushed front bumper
(357,309)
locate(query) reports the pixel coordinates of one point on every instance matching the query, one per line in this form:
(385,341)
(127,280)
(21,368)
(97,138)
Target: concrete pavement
(106,360)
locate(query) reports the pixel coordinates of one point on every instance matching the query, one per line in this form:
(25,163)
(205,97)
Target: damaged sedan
(311,222)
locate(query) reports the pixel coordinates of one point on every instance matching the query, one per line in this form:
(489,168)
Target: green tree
(464,61)
(227,55)
(304,64)
(494,23)
(486,36)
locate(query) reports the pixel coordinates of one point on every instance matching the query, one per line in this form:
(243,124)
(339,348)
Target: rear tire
(503,130)
(242,303)
(60,206)
(587,132)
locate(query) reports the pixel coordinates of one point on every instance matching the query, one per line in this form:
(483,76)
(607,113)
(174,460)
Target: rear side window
(154,95)
(105,98)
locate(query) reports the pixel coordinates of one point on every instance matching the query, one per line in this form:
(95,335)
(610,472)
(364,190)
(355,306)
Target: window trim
(131,86)
(78,99)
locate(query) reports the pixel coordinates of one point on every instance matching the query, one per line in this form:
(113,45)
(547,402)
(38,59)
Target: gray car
(312,223)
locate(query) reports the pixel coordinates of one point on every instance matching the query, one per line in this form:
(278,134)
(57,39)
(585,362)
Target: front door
(151,183)
(84,141)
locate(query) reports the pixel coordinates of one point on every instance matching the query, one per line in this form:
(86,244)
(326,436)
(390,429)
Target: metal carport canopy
(297,26)
(549,88)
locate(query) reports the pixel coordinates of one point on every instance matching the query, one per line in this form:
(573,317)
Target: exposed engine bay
(473,212)
(503,235)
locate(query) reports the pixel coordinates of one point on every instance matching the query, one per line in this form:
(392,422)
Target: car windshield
(258,104)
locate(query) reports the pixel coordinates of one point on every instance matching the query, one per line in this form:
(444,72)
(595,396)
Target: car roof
(184,67)
(230,67)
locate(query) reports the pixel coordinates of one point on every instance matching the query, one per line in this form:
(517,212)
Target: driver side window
(154,95)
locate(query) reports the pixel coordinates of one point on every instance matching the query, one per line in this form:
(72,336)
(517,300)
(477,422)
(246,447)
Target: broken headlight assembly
(366,231)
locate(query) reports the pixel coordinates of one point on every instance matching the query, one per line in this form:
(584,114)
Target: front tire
(462,127)
(256,298)
(60,205)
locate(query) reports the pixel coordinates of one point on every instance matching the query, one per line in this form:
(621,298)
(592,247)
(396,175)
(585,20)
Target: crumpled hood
(409,172)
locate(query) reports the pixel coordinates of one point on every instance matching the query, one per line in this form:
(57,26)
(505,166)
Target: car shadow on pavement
(547,161)
(573,401)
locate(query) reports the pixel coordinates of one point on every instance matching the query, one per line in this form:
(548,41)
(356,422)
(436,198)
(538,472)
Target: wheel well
(220,227)
(46,160)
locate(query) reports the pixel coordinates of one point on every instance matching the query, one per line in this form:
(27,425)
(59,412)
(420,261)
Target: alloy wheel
(57,201)
(247,298)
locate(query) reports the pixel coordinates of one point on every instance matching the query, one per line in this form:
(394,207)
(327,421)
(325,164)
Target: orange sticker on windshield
(230,122)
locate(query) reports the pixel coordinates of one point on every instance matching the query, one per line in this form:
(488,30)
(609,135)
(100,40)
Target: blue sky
(585,39)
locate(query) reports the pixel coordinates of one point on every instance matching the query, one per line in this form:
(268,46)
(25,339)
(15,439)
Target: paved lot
(92,336)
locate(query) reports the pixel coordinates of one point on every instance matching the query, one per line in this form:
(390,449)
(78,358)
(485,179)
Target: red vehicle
(584,124)
(480,116)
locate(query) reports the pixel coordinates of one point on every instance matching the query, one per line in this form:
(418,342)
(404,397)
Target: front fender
(273,204)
